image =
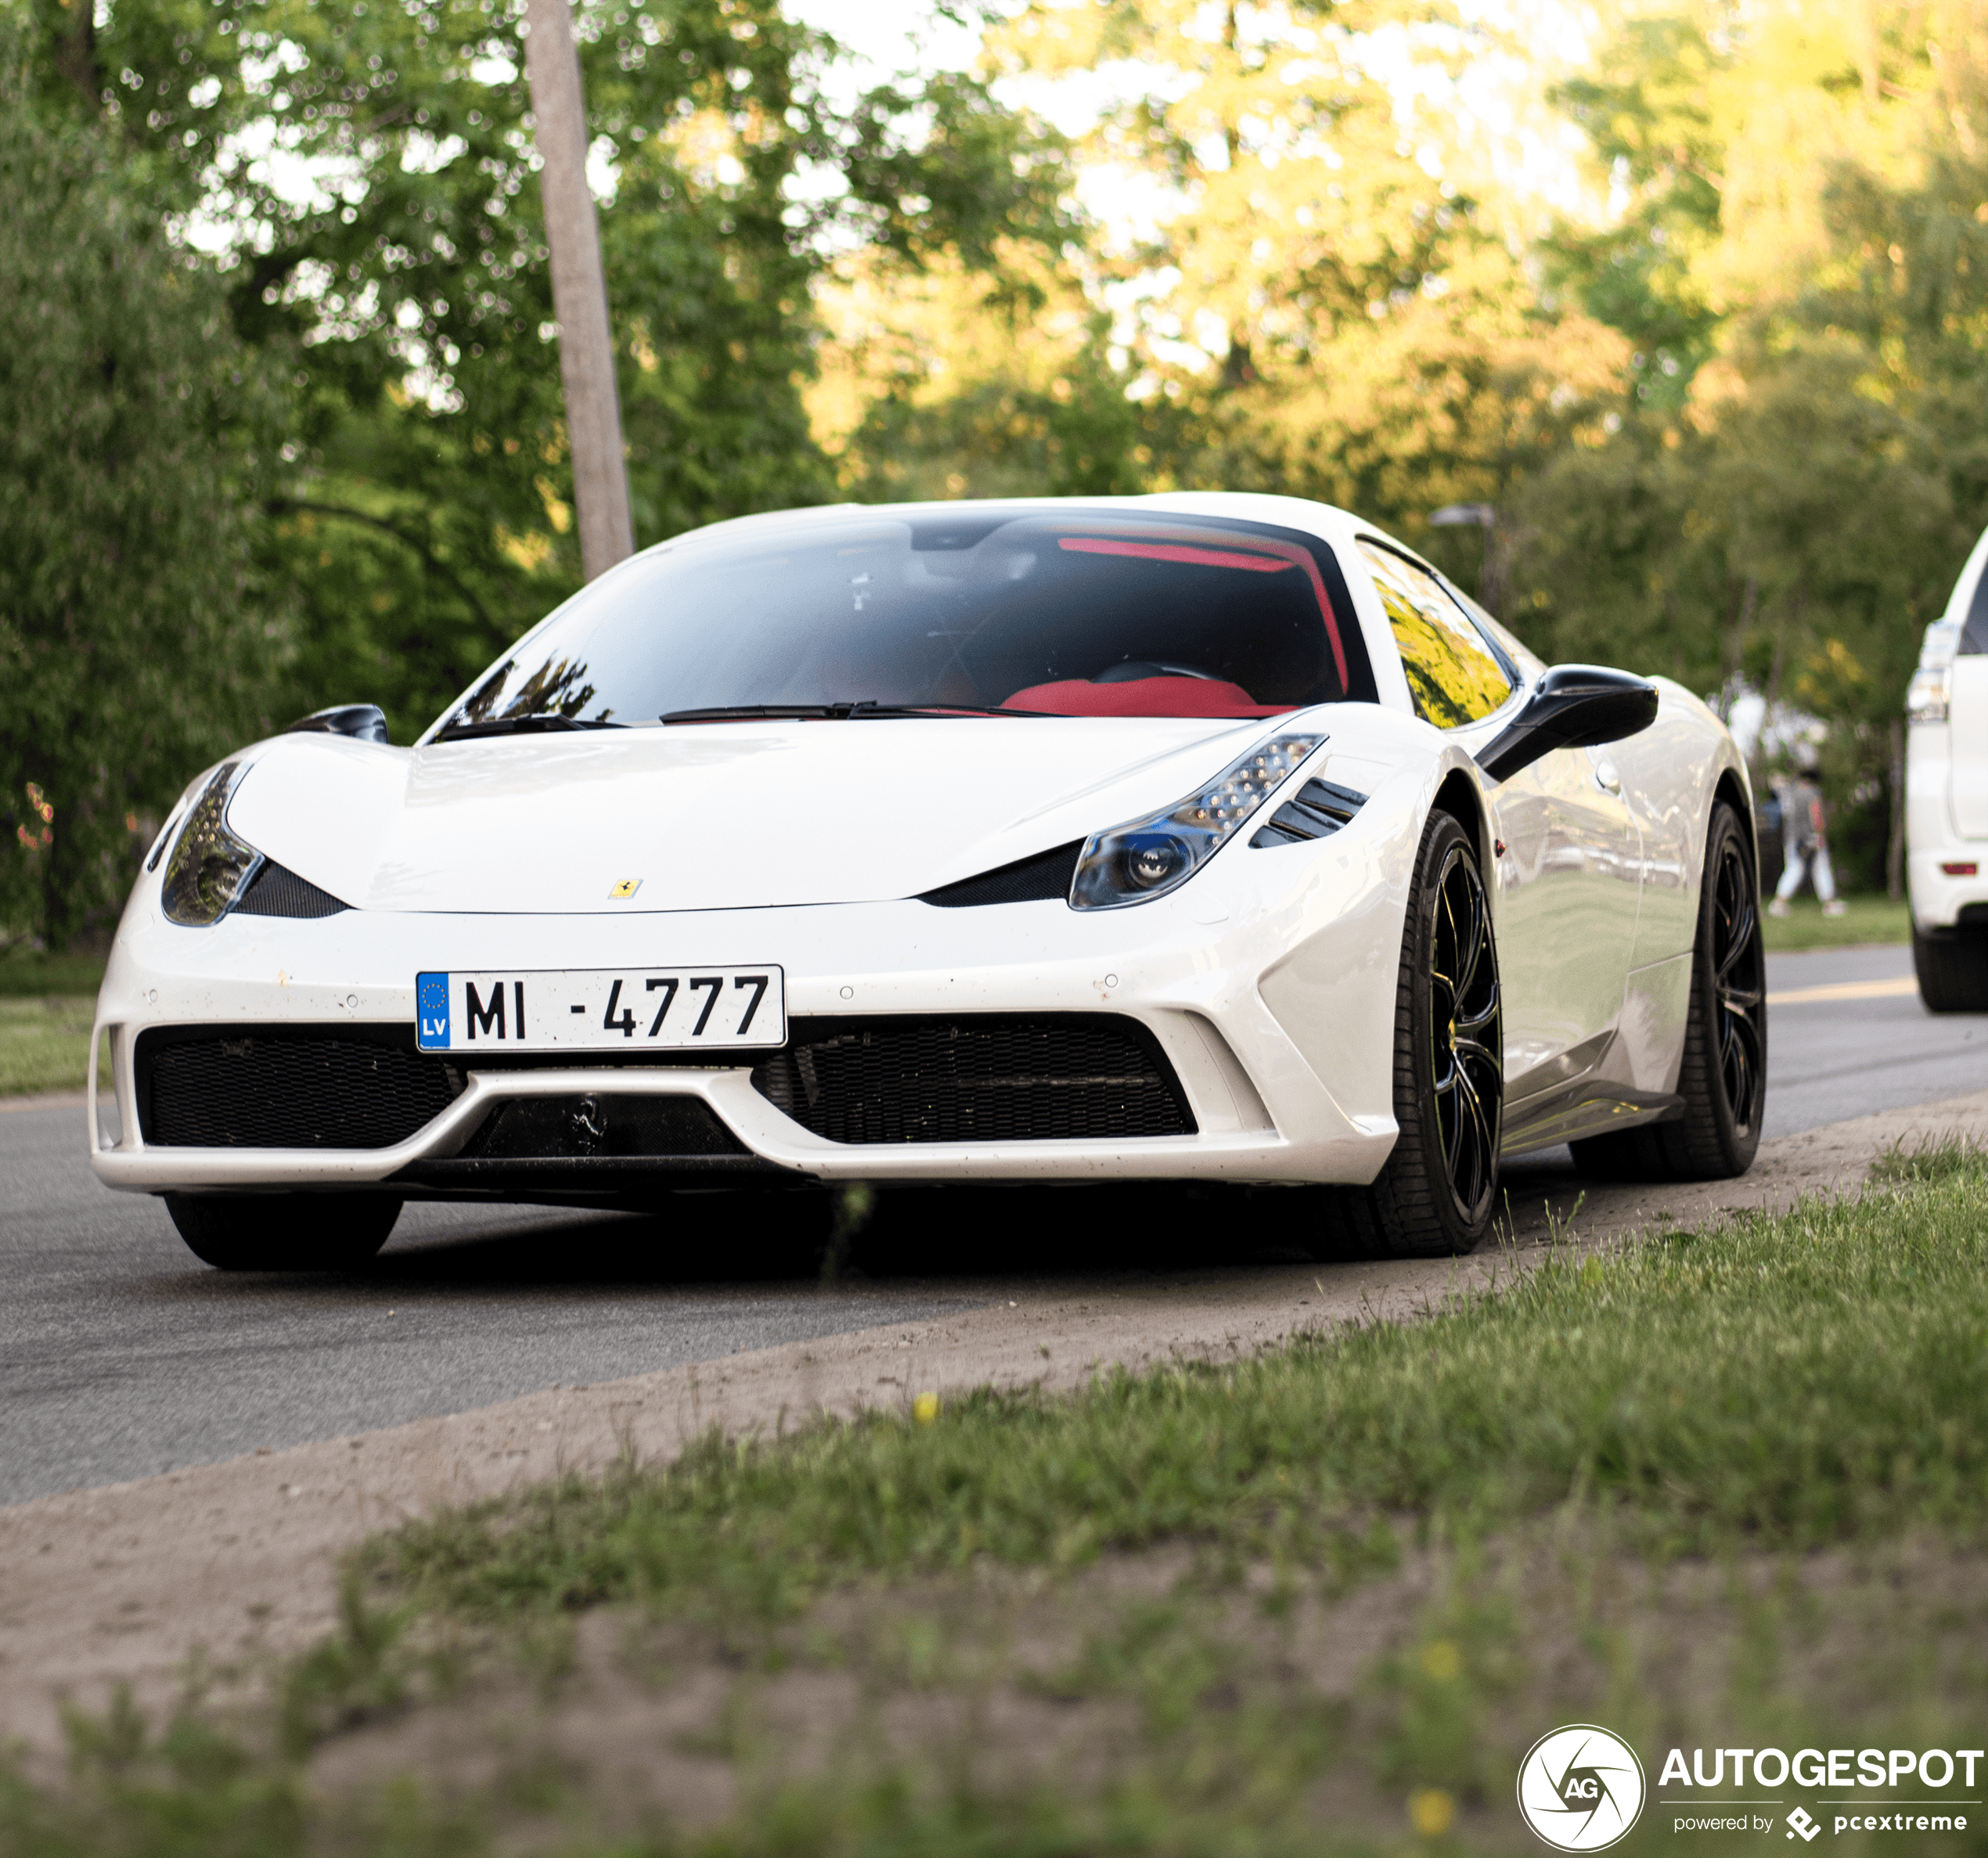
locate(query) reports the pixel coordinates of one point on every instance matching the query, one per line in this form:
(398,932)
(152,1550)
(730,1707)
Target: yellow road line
(1846,990)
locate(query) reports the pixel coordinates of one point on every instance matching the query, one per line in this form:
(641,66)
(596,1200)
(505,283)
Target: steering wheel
(1131,670)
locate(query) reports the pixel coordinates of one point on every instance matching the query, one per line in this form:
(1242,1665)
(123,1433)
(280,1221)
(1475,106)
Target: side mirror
(366,720)
(1572,706)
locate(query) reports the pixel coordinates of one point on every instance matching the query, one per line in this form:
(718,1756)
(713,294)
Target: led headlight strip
(209,868)
(1145,859)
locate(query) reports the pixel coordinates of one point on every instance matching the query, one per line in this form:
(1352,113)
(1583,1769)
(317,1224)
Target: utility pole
(586,341)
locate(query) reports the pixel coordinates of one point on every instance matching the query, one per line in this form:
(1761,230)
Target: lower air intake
(1061,1077)
(255,1088)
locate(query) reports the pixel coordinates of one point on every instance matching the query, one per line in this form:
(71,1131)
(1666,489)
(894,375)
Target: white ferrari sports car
(1209,837)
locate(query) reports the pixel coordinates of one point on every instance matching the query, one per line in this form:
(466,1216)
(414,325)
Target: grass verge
(1865,919)
(47,1004)
(45,1043)
(1714,1488)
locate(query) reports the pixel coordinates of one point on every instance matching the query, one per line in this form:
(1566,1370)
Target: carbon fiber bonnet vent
(1043,879)
(276,890)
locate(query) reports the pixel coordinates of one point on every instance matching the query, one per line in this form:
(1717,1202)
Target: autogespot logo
(1580,1787)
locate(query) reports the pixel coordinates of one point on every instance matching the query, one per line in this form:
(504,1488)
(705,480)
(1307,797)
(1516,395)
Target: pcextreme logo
(1580,1787)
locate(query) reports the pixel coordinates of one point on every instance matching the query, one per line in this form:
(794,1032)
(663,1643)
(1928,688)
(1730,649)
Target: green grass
(45,1043)
(1865,919)
(1940,1160)
(1729,1486)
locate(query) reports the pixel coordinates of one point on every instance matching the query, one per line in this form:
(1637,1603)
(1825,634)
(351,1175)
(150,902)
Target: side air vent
(1044,878)
(1320,809)
(276,891)
(1062,1077)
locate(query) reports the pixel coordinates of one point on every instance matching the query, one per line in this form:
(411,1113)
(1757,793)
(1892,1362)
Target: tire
(1952,968)
(1439,1188)
(1723,1077)
(284,1232)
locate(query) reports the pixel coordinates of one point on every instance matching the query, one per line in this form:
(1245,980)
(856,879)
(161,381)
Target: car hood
(715,816)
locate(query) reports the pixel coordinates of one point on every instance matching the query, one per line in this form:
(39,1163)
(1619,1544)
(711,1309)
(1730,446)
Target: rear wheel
(1723,1077)
(284,1232)
(1438,1191)
(1953,969)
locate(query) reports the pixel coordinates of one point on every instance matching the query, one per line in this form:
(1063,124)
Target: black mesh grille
(564,1128)
(1045,877)
(1066,1077)
(278,891)
(259,1088)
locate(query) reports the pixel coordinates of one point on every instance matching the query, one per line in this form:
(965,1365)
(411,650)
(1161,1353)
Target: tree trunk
(586,341)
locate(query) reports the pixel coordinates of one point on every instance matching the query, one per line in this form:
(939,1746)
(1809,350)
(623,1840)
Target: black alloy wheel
(1466,1056)
(1438,1190)
(1739,983)
(1722,1079)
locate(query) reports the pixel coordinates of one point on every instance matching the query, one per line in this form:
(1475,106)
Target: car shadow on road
(829,1238)
(904,1236)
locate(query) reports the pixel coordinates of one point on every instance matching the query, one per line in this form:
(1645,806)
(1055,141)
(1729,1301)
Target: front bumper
(1300,1091)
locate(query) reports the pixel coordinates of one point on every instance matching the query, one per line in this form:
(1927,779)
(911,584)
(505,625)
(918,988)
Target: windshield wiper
(546,723)
(836,712)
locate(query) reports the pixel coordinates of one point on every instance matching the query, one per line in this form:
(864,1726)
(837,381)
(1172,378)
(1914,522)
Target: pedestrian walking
(1804,842)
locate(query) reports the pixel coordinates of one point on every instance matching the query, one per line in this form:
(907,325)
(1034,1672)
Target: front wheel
(284,1232)
(1440,1187)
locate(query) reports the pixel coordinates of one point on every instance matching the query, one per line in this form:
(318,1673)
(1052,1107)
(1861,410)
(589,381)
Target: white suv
(1946,799)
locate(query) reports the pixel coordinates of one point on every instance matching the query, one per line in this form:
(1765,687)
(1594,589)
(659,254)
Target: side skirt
(1591,1110)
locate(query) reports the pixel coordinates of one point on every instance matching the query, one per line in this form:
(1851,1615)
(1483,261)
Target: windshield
(1052,609)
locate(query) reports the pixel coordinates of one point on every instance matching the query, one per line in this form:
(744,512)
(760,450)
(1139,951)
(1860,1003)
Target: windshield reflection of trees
(553,689)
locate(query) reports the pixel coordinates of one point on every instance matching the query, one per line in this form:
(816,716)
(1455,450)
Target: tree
(137,637)
(426,517)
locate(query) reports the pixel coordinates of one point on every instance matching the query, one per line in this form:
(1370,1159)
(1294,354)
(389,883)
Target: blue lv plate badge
(431,1012)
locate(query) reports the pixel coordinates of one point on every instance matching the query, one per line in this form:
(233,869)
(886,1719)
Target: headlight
(209,868)
(1145,859)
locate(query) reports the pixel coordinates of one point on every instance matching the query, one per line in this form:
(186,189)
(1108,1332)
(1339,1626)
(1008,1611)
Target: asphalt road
(120,1355)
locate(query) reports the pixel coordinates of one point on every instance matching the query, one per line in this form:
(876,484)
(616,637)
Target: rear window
(1057,611)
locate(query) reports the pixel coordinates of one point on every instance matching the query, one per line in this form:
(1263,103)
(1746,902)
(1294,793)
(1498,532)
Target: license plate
(602,1010)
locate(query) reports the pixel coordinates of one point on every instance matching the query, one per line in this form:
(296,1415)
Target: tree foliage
(138,636)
